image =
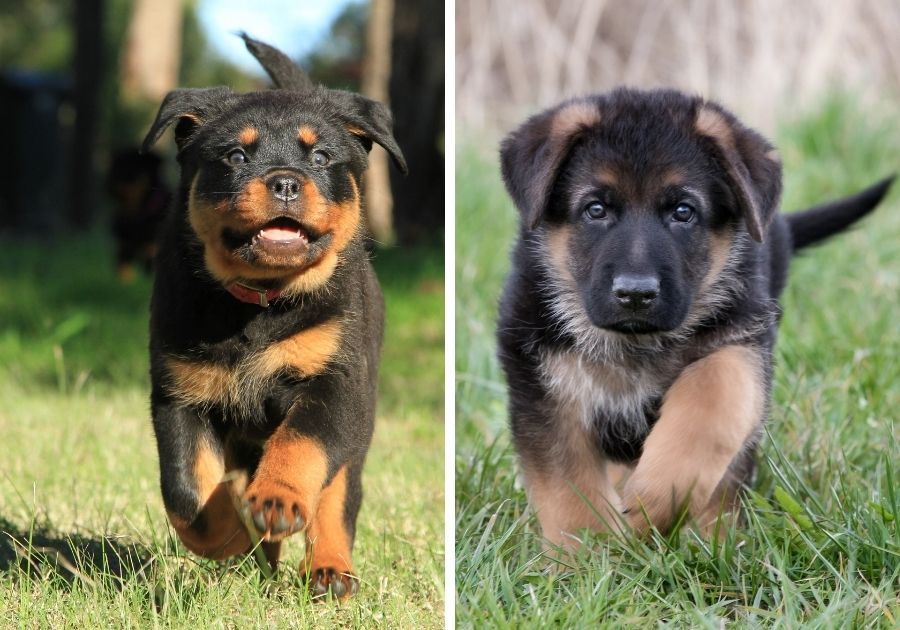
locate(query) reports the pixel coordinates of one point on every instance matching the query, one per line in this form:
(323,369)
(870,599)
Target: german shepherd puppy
(637,324)
(267,319)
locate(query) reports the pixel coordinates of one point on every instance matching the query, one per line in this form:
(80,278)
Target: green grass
(821,548)
(84,541)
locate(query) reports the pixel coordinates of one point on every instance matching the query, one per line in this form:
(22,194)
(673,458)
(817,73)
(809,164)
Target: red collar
(252,295)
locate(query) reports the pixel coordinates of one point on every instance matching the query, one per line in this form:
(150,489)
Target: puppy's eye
(237,157)
(595,210)
(320,158)
(683,213)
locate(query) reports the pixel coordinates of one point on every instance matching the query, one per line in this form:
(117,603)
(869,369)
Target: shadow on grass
(38,553)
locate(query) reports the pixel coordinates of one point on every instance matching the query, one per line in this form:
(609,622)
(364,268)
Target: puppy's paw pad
(326,580)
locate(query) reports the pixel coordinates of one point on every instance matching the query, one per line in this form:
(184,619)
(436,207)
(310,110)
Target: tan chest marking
(305,353)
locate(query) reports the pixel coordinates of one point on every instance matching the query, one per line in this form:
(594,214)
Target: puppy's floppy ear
(750,163)
(532,155)
(371,122)
(191,107)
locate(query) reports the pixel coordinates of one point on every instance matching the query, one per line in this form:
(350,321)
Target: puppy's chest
(604,398)
(243,382)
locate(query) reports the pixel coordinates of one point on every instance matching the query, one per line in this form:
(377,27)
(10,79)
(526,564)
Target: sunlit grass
(84,540)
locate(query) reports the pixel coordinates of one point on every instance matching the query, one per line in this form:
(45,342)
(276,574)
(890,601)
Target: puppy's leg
(284,493)
(569,482)
(329,539)
(192,468)
(308,478)
(708,415)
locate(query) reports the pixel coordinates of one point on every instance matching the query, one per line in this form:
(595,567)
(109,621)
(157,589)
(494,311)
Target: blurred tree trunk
(152,52)
(417,99)
(87,70)
(375,79)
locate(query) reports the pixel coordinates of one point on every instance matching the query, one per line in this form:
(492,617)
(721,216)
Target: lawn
(822,544)
(84,541)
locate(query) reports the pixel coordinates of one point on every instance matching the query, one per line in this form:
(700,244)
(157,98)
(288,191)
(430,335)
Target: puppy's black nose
(284,187)
(635,292)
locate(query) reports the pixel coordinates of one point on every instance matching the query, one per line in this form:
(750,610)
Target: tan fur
(197,383)
(248,136)
(608,177)
(557,246)
(307,353)
(577,491)
(572,118)
(307,136)
(720,246)
(313,277)
(342,220)
(706,417)
(292,472)
(712,124)
(327,539)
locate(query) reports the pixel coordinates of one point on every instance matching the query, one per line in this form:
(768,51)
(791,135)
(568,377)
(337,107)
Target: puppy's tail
(284,73)
(819,222)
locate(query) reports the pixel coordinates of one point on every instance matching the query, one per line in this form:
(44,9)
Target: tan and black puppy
(637,323)
(267,318)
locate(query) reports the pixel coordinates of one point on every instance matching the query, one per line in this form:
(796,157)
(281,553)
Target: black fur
(607,274)
(196,319)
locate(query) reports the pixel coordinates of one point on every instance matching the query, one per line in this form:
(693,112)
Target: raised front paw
(322,580)
(275,511)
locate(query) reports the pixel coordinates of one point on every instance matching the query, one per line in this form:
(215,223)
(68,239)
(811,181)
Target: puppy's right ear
(532,155)
(191,107)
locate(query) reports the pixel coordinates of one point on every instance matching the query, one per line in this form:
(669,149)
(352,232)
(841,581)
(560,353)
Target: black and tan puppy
(637,324)
(267,318)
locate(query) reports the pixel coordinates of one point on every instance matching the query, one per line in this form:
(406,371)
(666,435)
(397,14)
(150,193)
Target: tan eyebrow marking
(307,135)
(248,135)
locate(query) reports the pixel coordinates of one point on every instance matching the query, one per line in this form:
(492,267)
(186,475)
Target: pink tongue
(279,234)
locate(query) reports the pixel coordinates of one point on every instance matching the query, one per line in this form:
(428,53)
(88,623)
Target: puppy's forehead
(261,116)
(641,139)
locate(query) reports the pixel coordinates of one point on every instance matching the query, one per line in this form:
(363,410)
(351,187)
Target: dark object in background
(417,100)
(140,199)
(32,164)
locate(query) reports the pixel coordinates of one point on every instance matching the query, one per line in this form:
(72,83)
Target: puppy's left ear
(370,121)
(532,156)
(191,108)
(750,163)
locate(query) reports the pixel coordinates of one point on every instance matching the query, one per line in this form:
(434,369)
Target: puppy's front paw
(276,512)
(650,502)
(341,583)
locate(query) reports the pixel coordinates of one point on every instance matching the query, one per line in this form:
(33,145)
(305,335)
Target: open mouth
(280,235)
(282,230)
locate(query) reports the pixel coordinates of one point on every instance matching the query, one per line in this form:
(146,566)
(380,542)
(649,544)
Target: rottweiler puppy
(266,318)
(637,323)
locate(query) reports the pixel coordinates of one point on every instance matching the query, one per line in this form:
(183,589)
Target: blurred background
(820,78)
(760,58)
(80,83)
